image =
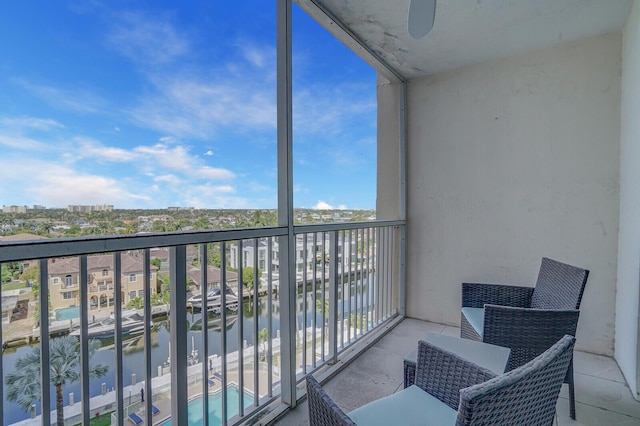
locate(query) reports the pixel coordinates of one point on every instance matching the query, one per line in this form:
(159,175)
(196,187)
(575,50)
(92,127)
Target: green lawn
(14,285)
(101,420)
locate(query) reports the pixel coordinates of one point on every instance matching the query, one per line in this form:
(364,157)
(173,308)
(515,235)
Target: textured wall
(628,290)
(510,161)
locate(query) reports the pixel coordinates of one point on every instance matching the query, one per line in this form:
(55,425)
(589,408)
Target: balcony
(507,134)
(245,356)
(602,395)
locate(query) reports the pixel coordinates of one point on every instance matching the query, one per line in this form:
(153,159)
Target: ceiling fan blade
(421,16)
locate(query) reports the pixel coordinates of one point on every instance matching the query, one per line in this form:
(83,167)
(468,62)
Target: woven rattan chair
(452,391)
(528,320)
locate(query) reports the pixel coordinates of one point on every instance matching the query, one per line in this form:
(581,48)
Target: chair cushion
(475,316)
(410,406)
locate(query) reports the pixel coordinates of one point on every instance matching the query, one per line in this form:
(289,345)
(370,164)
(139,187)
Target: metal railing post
(333,297)
(45,377)
(178,323)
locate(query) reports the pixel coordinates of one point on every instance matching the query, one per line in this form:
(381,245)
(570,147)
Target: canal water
(133,353)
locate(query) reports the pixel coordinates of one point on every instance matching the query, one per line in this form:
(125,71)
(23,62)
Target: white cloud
(15,132)
(259,56)
(169,156)
(88,147)
(321,205)
(29,123)
(78,100)
(319,108)
(147,40)
(21,142)
(55,185)
(168,139)
(170,179)
(197,107)
(208,196)
(209,153)
(207,172)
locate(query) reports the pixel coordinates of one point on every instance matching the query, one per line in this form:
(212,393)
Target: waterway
(133,353)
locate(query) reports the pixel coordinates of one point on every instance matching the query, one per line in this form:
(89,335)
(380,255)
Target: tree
(9,271)
(31,275)
(45,227)
(156,262)
(136,303)
(263,336)
(247,277)
(23,384)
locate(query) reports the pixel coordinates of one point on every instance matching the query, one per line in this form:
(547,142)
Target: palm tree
(23,384)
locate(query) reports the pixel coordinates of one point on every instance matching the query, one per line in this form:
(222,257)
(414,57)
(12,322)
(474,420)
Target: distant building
(311,251)
(14,209)
(38,207)
(194,277)
(89,209)
(64,281)
(175,209)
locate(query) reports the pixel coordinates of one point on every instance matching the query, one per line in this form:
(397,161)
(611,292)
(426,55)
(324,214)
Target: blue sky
(150,104)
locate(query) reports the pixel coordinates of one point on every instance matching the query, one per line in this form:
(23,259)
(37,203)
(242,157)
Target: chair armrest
(442,374)
(476,295)
(528,332)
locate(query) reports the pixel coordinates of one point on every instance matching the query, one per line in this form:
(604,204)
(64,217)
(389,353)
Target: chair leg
(572,393)
(572,402)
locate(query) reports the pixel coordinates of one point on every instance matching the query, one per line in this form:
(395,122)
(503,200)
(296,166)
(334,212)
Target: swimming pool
(71,312)
(215,407)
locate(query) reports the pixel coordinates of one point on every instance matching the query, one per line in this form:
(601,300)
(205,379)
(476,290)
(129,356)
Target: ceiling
(467,32)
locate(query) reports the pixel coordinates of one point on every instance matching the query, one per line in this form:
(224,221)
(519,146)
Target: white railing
(234,350)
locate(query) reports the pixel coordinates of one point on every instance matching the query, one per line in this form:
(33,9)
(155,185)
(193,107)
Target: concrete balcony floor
(602,396)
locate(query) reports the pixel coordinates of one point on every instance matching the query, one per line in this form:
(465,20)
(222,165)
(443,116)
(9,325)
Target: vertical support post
(223,330)
(1,367)
(368,251)
(305,308)
(45,378)
(285,202)
(117,336)
(343,293)
(360,256)
(270,316)
(256,364)
(333,297)
(351,286)
(178,323)
(240,323)
(146,270)
(84,341)
(315,299)
(204,312)
(323,287)
(402,276)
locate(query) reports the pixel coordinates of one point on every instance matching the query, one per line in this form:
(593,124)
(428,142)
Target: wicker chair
(451,390)
(528,320)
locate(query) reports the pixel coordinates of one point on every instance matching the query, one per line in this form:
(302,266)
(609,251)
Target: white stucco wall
(510,161)
(388,170)
(628,292)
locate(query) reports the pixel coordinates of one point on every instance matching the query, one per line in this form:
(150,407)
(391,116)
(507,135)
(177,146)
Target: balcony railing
(244,352)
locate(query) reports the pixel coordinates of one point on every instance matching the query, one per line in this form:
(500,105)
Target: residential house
(64,281)
(194,278)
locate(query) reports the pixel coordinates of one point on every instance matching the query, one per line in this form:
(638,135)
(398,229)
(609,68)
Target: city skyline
(147,105)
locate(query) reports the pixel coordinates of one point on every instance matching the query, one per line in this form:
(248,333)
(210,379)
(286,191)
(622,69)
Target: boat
(214,322)
(214,301)
(132,322)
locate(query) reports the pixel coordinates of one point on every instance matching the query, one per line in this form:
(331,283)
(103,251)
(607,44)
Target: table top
(491,357)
